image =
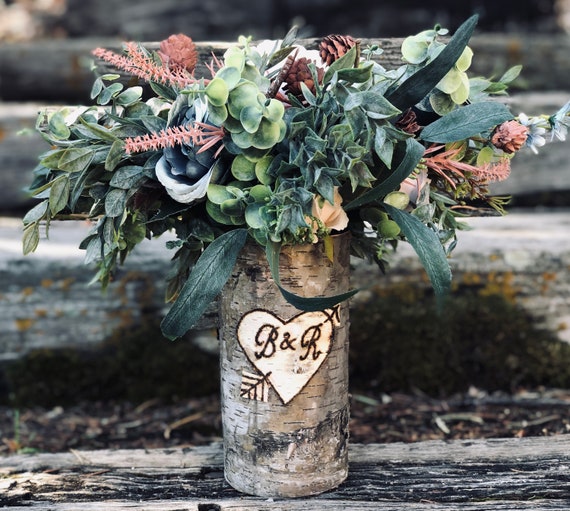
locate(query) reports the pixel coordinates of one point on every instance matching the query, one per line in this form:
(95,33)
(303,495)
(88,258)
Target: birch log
(285,374)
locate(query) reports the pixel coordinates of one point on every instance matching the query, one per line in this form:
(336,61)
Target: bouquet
(280,145)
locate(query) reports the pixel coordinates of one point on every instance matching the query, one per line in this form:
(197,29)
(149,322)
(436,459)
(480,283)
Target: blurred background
(24,20)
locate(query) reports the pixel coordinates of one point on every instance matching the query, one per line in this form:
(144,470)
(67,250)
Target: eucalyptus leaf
(427,246)
(100,132)
(466,122)
(420,84)
(206,280)
(57,126)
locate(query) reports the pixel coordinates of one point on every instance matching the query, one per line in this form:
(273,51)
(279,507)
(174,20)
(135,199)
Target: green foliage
(239,155)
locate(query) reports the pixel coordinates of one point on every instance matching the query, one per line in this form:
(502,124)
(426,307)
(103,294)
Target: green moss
(399,342)
(136,364)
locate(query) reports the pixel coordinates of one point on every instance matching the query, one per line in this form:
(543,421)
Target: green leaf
(208,277)
(36,213)
(115,202)
(127,177)
(50,159)
(115,155)
(420,84)
(59,194)
(356,74)
(347,61)
(466,122)
(99,131)
(427,246)
(317,303)
(57,126)
(75,159)
(511,74)
(375,105)
(30,238)
(130,96)
(109,92)
(413,154)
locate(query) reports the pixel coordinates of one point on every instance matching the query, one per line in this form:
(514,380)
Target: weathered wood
(287,435)
(58,70)
(45,301)
(526,474)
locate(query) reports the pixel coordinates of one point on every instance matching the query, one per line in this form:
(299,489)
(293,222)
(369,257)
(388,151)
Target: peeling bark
(284,382)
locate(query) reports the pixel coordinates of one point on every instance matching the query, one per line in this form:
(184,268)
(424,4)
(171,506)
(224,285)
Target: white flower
(537,128)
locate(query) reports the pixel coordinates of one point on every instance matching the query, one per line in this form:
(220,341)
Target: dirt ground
(374,418)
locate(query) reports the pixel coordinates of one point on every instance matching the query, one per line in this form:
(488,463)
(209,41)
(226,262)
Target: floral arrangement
(280,145)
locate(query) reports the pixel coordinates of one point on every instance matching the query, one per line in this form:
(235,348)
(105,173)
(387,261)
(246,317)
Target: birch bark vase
(284,373)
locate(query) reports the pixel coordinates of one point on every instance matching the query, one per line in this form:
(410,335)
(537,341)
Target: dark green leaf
(419,85)
(414,152)
(208,277)
(115,202)
(115,155)
(466,122)
(427,246)
(356,74)
(127,177)
(347,61)
(317,303)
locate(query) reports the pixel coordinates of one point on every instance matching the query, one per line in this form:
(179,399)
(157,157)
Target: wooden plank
(58,70)
(527,473)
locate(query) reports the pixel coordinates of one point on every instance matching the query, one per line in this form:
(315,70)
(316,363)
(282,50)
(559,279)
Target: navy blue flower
(183,171)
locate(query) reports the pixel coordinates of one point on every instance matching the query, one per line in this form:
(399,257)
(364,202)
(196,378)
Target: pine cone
(408,122)
(179,52)
(298,73)
(334,46)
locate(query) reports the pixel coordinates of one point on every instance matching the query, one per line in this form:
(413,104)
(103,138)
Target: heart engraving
(287,353)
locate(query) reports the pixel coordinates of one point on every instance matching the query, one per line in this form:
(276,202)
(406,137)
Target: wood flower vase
(284,373)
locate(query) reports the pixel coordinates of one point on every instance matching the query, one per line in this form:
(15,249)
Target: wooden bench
(467,475)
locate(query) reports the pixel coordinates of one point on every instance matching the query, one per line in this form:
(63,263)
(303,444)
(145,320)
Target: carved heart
(287,353)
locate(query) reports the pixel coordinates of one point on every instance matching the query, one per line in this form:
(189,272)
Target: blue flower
(182,170)
(560,122)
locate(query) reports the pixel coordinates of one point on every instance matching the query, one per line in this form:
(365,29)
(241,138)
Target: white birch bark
(284,374)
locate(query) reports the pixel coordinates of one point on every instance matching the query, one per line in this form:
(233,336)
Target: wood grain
(498,474)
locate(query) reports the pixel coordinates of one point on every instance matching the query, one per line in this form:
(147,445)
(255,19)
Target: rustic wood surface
(516,474)
(59,69)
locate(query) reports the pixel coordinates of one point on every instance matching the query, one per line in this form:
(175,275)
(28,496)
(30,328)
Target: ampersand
(287,342)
